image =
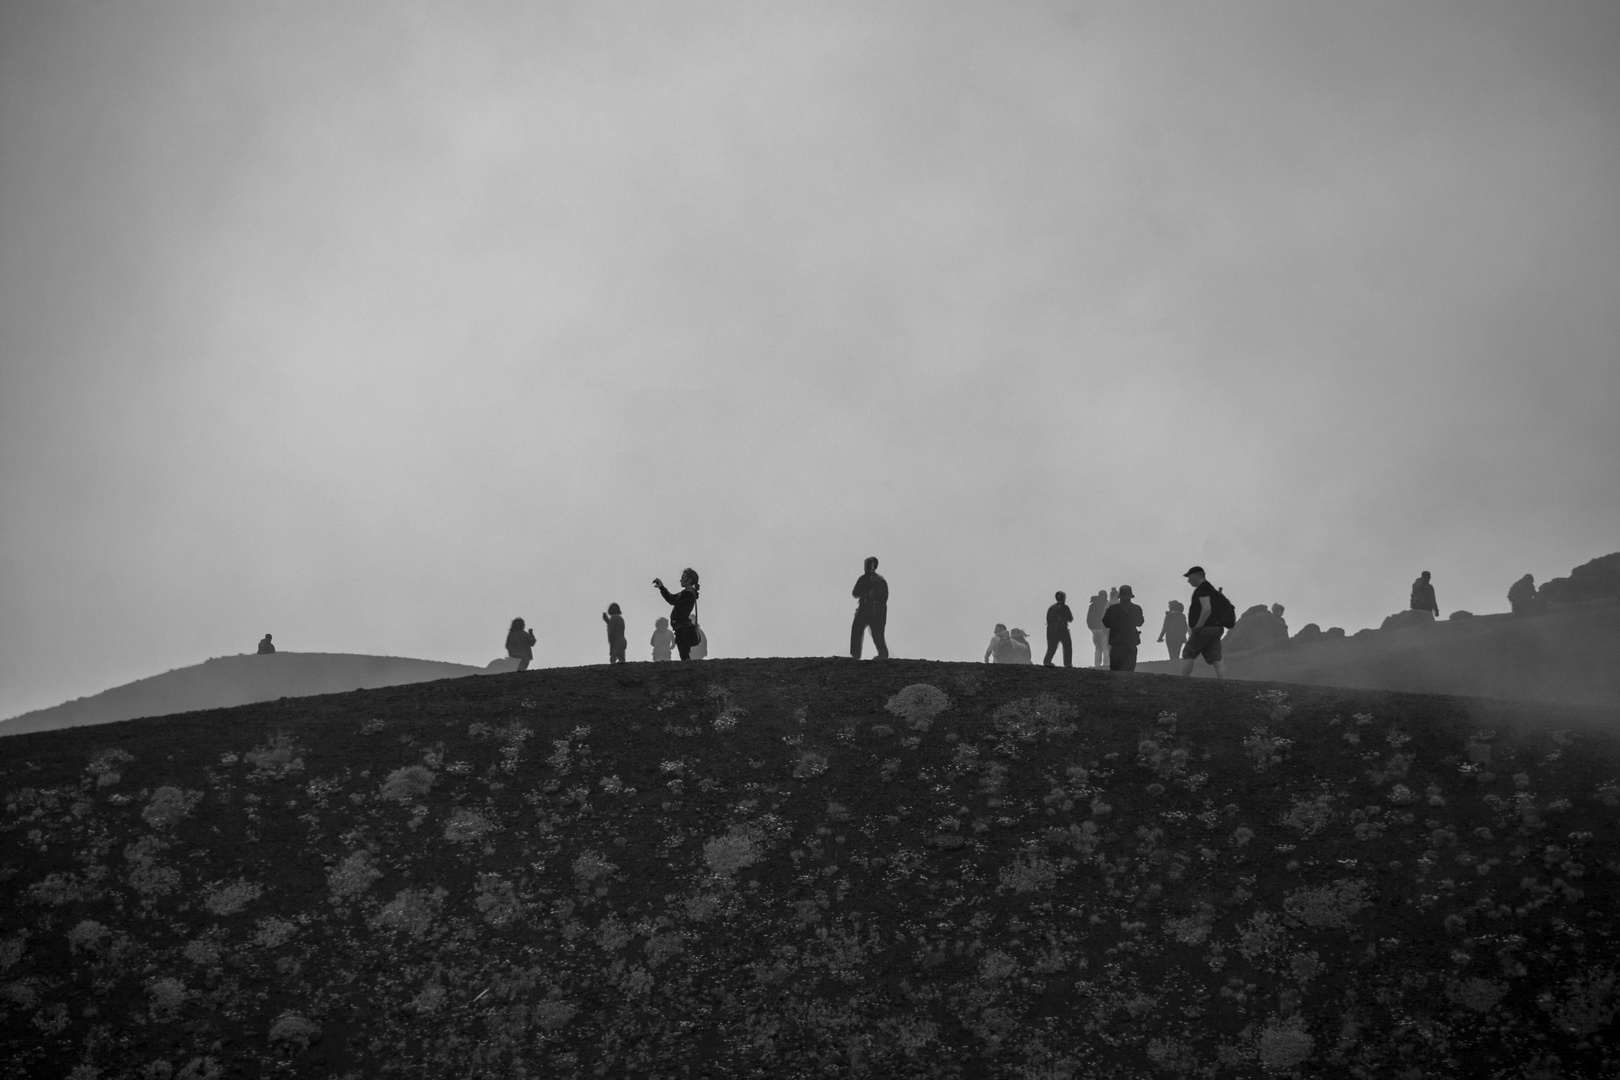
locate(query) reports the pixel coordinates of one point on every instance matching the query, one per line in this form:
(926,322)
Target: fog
(375,325)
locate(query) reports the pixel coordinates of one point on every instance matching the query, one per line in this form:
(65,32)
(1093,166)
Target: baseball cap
(1125,591)
(1194,570)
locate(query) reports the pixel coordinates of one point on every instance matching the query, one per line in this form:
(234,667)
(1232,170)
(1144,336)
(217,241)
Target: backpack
(1222,613)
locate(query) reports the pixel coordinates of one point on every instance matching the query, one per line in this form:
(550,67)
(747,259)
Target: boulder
(1595,580)
(1403,620)
(1257,628)
(1455,615)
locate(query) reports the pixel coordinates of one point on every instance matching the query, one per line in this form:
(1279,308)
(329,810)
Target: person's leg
(1068,648)
(1099,648)
(1051,646)
(877,620)
(1128,658)
(1220,669)
(523,663)
(857,634)
(1116,659)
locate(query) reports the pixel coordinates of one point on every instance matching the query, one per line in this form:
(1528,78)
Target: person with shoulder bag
(682,605)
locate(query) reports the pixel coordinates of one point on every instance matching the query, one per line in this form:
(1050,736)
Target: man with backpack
(1124,622)
(1209,616)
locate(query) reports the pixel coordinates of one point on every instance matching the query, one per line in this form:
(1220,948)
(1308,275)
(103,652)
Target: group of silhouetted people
(1112,616)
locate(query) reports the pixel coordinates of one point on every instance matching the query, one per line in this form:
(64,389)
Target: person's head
(1113,594)
(661,624)
(1061,598)
(689,578)
(871,563)
(267,637)
(1017,634)
(1001,628)
(613,609)
(1176,605)
(1195,576)
(1102,594)
(1424,576)
(1277,610)
(517,624)
(1125,592)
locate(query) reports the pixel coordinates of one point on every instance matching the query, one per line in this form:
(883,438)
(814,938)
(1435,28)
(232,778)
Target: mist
(376,325)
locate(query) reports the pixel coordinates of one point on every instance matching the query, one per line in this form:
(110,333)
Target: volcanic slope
(816,868)
(236,680)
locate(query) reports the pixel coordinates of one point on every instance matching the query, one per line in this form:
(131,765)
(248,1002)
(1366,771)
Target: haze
(374,325)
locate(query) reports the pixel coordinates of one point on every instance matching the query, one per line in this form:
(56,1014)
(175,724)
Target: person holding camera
(680,613)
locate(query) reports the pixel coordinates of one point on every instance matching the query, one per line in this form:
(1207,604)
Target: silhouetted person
(680,612)
(1521,597)
(1174,631)
(871,595)
(520,644)
(997,651)
(265,648)
(1204,634)
(1124,622)
(1018,648)
(1058,618)
(662,640)
(1423,596)
(1099,635)
(615,631)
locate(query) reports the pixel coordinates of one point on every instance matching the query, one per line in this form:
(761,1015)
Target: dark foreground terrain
(816,868)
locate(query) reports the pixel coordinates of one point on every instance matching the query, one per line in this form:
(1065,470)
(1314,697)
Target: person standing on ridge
(1058,618)
(1124,622)
(997,651)
(1423,596)
(871,594)
(662,640)
(1207,625)
(1174,631)
(680,613)
(1099,635)
(615,631)
(520,644)
(1018,648)
(265,648)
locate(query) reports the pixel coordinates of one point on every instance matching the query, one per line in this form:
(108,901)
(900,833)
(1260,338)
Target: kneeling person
(1123,621)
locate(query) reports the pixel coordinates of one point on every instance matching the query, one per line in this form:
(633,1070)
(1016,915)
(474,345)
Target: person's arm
(988,649)
(1205,608)
(669,597)
(856,592)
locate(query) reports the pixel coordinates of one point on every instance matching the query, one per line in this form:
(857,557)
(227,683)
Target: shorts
(1204,641)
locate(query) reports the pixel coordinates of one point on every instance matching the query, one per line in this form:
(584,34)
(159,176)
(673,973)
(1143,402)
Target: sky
(374,325)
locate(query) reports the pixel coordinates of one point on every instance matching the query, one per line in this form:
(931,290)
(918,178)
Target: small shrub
(165,998)
(918,704)
(407,784)
(351,877)
(1330,906)
(1284,1045)
(168,806)
(229,899)
(86,936)
(591,867)
(294,1032)
(466,825)
(277,758)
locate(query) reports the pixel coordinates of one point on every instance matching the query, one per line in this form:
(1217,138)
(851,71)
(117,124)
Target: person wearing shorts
(1204,636)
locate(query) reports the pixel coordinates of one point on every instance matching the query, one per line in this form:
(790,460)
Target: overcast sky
(373,325)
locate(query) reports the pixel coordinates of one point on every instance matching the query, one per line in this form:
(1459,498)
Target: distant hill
(226,681)
(1569,654)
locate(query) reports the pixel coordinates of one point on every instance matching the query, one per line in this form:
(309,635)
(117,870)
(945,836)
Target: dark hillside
(784,868)
(1566,654)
